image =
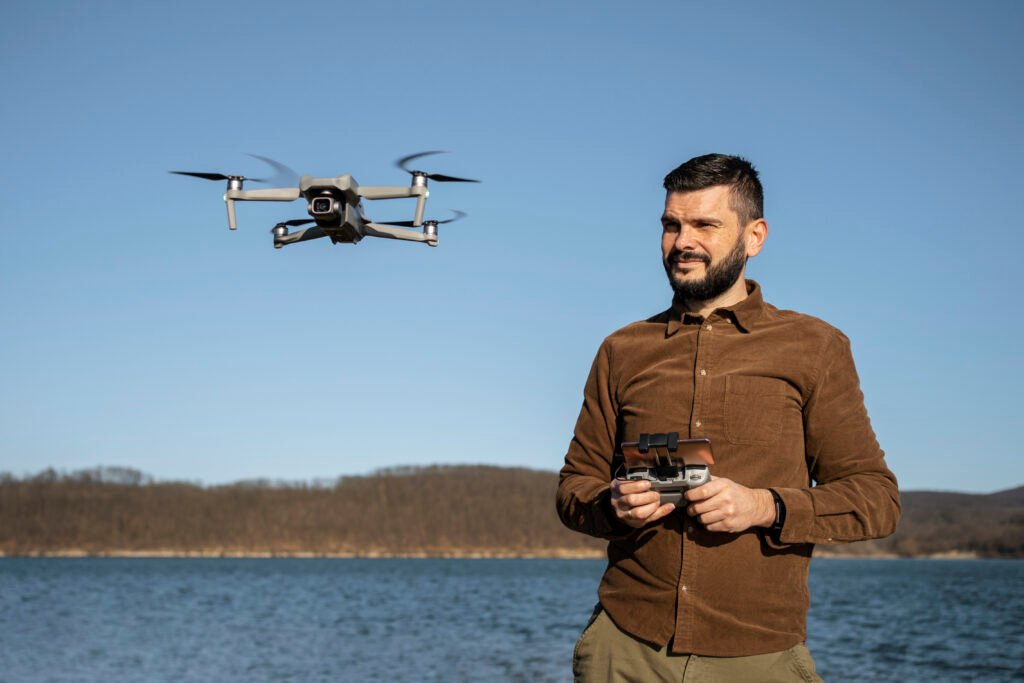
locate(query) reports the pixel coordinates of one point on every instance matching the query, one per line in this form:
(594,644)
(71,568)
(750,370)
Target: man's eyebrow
(666,219)
(707,221)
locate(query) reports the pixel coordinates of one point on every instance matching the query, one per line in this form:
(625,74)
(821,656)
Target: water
(917,620)
(456,620)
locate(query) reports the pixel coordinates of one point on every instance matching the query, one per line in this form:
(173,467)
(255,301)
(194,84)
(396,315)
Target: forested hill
(938,522)
(431,511)
(436,511)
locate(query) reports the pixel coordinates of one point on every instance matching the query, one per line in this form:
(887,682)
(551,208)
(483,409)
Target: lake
(184,619)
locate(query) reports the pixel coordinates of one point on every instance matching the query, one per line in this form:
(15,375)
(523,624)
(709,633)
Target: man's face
(704,248)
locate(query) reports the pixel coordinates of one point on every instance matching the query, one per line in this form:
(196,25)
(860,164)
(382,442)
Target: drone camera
(323,206)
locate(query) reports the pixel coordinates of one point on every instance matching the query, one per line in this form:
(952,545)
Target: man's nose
(685,239)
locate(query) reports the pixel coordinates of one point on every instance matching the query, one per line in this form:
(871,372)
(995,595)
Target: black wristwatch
(780,513)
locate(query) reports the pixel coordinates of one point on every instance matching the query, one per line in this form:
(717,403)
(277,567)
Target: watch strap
(780,512)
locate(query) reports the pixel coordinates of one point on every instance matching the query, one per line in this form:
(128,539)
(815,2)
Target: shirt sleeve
(584,484)
(855,496)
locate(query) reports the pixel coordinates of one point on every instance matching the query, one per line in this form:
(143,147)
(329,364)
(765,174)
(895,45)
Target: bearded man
(716,589)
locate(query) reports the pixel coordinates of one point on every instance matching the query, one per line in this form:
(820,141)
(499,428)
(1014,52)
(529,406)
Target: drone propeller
(217,176)
(283,175)
(410,224)
(403,164)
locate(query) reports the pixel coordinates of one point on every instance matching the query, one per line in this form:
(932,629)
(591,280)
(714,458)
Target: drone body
(335,205)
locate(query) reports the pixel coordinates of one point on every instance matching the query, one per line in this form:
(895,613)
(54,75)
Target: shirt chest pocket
(753,409)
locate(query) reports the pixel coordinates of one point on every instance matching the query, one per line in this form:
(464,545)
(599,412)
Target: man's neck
(704,308)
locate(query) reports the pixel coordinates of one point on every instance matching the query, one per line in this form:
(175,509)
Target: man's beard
(718,278)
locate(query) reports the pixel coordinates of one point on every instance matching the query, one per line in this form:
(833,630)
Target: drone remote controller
(672,465)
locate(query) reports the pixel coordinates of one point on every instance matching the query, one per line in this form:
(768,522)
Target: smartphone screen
(689,452)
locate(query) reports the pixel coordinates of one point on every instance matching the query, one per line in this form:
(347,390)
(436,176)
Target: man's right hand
(635,504)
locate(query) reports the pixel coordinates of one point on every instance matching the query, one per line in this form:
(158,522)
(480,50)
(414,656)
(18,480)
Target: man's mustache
(676,256)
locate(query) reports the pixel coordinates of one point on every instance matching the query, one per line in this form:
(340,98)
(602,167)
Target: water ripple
(78,619)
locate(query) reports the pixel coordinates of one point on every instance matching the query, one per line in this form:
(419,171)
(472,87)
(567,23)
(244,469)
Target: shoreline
(551,554)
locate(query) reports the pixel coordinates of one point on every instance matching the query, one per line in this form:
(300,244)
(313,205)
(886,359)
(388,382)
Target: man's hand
(635,504)
(723,505)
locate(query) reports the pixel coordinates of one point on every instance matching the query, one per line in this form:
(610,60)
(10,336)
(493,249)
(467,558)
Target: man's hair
(746,197)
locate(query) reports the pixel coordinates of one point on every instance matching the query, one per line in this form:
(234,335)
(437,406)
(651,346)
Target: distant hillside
(436,511)
(431,511)
(935,522)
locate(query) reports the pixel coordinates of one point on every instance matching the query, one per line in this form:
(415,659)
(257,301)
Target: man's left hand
(723,505)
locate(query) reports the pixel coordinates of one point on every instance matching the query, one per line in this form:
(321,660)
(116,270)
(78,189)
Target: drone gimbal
(335,204)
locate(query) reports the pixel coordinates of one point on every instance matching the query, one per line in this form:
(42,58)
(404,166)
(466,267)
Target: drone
(335,204)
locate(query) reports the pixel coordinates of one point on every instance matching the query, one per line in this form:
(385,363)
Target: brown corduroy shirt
(778,395)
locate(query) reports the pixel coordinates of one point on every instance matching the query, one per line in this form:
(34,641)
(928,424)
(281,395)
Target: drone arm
(383,192)
(390,192)
(391,232)
(272,194)
(315,232)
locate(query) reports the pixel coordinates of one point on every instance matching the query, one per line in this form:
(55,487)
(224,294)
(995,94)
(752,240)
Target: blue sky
(139,331)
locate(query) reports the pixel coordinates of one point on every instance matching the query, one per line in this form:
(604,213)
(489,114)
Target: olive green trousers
(605,654)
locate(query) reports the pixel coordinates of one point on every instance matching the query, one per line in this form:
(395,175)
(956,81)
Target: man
(717,590)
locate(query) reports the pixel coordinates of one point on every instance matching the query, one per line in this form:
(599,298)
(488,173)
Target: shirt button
(682,588)
(689,529)
(697,424)
(709,327)
(703,372)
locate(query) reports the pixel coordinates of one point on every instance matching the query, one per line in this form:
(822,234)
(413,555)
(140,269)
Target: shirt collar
(744,313)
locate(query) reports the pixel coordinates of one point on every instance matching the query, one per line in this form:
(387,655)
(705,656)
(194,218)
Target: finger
(625,486)
(642,512)
(701,509)
(638,499)
(697,509)
(705,491)
(629,503)
(630,518)
(718,501)
(713,517)
(661,512)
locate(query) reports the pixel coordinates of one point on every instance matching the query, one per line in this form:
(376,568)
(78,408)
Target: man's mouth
(684,261)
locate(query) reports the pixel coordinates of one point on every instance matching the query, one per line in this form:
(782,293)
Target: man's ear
(756,233)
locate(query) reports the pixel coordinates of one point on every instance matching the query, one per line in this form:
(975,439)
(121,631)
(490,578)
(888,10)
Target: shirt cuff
(799,519)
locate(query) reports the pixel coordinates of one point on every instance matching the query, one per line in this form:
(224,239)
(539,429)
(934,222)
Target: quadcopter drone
(335,204)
